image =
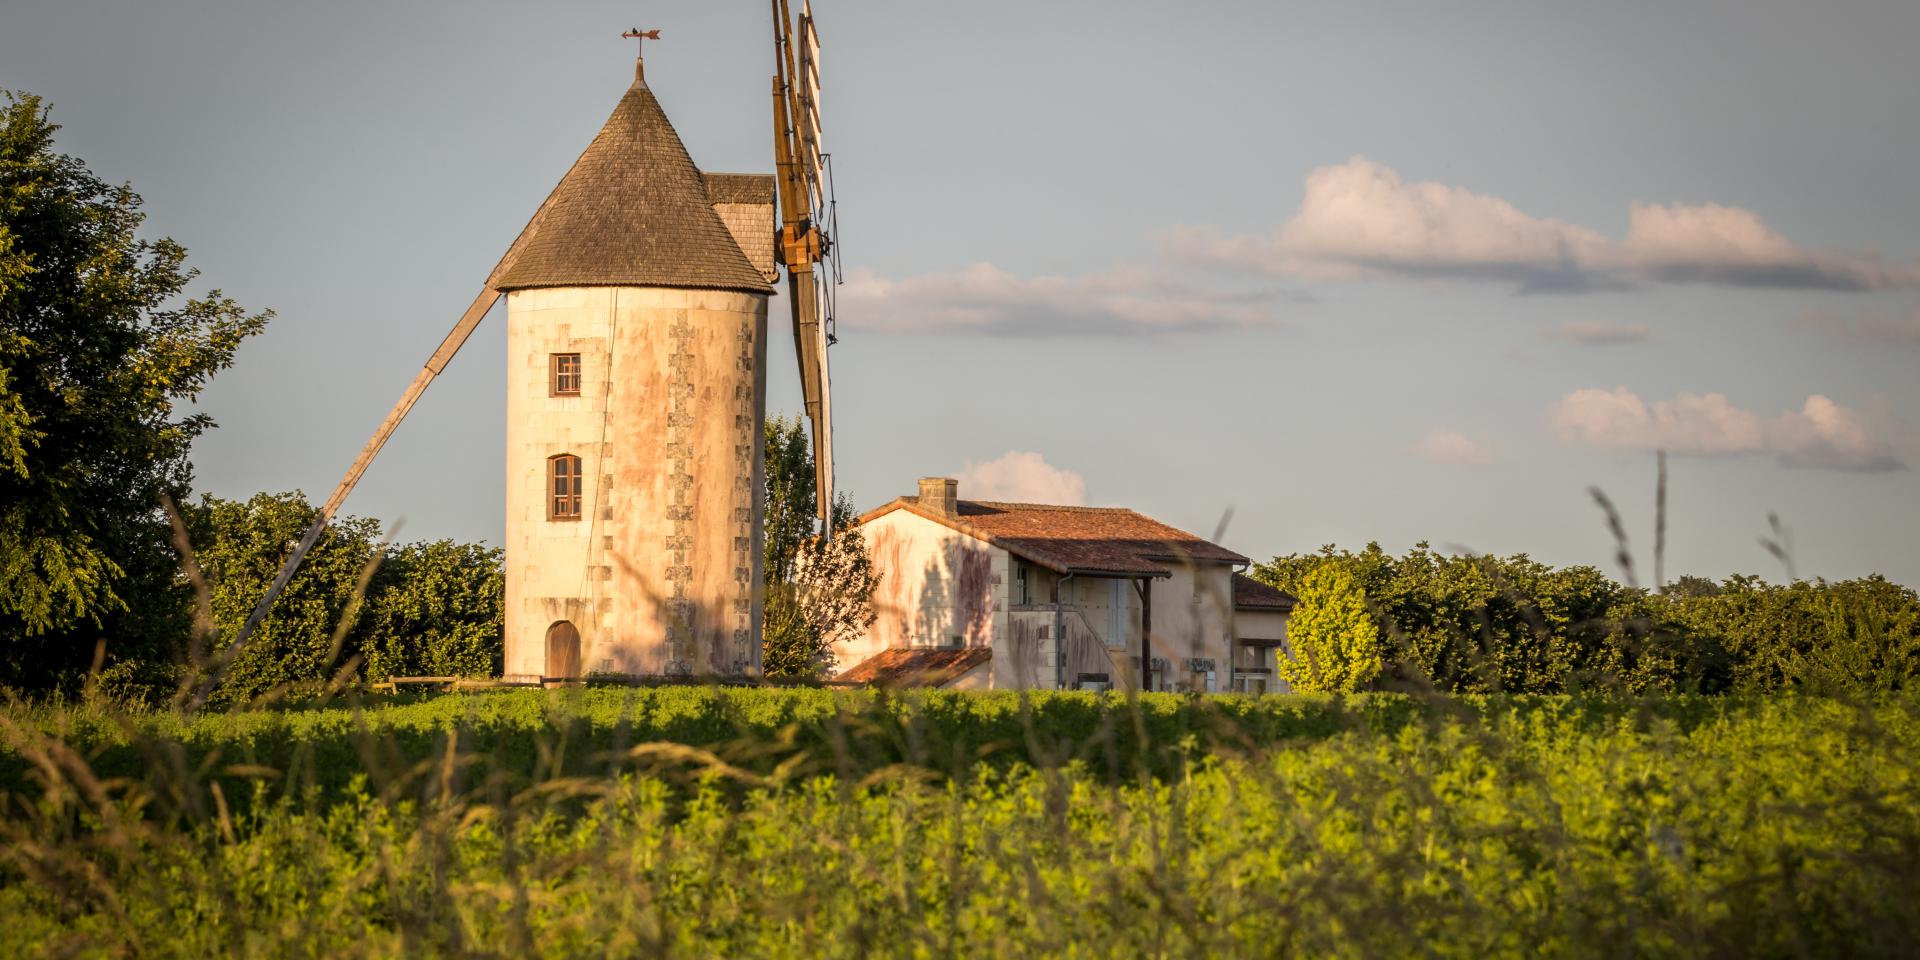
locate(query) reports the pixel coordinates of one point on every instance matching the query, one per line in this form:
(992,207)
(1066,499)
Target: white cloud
(1821,433)
(1452,446)
(1022,476)
(1361,218)
(985,299)
(1874,326)
(1599,332)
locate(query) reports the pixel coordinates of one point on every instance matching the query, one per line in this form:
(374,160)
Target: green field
(707,822)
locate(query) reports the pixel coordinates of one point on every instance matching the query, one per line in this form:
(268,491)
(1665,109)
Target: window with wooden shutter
(564,370)
(563,487)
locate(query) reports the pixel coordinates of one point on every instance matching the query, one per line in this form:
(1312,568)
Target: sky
(1296,274)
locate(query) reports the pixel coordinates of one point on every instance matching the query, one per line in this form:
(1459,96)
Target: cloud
(1361,219)
(1022,476)
(1874,326)
(1599,332)
(1821,433)
(984,299)
(1452,447)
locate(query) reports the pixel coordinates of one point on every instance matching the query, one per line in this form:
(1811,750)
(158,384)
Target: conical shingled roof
(633,211)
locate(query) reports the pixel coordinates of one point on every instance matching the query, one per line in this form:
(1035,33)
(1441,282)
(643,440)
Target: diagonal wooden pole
(449,345)
(436,363)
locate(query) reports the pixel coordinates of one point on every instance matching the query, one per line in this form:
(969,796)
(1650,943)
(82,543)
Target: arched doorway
(563,650)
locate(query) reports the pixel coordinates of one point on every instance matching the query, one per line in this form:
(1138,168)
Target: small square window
(565,374)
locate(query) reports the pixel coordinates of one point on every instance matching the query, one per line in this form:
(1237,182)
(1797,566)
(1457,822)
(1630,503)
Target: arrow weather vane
(640,38)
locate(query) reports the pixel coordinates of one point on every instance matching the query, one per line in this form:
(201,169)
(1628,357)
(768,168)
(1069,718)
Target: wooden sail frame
(804,194)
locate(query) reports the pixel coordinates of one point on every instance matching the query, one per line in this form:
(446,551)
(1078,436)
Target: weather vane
(640,38)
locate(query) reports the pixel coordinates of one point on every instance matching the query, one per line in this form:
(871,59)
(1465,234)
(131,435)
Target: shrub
(1335,644)
(1485,624)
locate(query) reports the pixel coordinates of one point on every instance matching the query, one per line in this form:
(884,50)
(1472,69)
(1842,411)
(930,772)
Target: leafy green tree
(240,546)
(99,346)
(436,609)
(1335,643)
(790,496)
(356,605)
(1485,624)
(1849,635)
(818,591)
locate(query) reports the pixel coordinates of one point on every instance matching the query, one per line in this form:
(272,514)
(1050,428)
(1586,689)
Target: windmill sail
(809,118)
(806,202)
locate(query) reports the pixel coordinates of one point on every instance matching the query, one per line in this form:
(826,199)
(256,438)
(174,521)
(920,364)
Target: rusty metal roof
(917,666)
(635,211)
(1081,540)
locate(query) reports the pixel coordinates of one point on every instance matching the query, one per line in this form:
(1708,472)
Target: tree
(1856,635)
(98,347)
(239,547)
(1335,644)
(356,605)
(436,609)
(1488,624)
(818,591)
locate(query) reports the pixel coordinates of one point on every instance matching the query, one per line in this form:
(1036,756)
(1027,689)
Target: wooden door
(563,650)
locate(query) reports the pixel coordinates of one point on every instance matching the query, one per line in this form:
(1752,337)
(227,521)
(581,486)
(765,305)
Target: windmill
(635,217)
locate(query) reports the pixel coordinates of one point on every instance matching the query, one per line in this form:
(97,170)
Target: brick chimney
(940,495)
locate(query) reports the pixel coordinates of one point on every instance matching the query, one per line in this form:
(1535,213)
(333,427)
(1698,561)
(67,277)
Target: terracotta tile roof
(1251,594)
(1091,540)
(634,211)
(917,667)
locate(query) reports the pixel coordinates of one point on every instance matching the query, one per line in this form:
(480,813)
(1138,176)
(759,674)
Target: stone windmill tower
(636,402)
(636,389)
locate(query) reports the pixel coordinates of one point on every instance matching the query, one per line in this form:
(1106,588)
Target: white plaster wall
(1265,625)
(658,574)
(936,584)
(1193,617)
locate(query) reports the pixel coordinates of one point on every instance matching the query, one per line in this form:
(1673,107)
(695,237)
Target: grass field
(704,822)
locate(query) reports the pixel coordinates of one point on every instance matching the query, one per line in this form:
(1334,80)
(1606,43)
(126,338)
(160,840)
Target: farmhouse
(978,594)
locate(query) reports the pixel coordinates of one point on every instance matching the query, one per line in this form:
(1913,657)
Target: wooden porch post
(1146,633)
(1059,639)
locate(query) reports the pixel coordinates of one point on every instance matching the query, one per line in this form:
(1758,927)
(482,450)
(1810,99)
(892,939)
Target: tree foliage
(1858,635)
(1465,624)
(99,346)
(240,546)
(818,591)
(1335,644)
(357,606)
(436,610)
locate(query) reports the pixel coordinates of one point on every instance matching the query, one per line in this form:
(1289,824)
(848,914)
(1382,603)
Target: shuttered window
(565,369)
(563,487)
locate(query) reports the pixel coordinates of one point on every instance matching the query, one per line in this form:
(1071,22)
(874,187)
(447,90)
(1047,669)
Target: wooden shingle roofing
(635,211)
(753,188)
(1111,541)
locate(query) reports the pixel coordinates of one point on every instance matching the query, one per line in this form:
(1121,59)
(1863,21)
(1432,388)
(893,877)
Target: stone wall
(660,573)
